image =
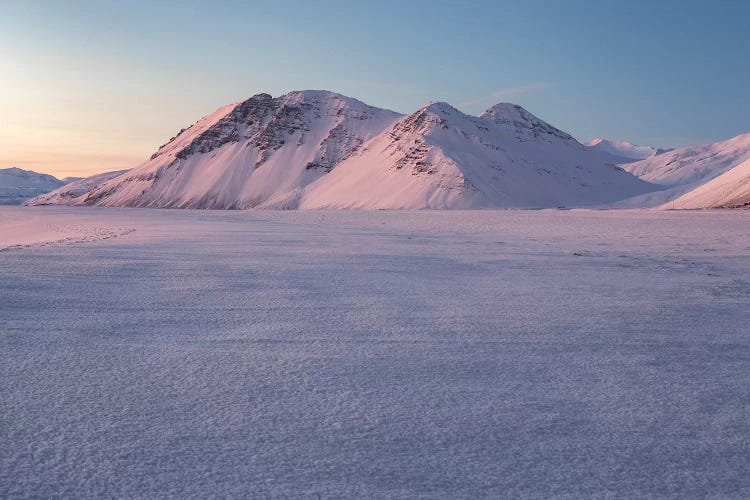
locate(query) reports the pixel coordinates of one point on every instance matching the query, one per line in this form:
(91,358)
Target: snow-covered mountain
(315,149)
(246,153)
(74,189)
(693,163)
(17,185)
(729,190)
(625,150)
(439,157)
(683,170)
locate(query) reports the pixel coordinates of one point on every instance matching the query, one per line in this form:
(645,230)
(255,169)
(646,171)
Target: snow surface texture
(431,354)
(623,149)
(317,149)
(17,185)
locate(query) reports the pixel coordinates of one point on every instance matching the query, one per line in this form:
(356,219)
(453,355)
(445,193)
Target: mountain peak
(506,107)
(525,125)
(598,140)
(338,101)
(315,149)
(622,149)
(432,114)
(508,111)
(246,153)
(438,107)
(15,170)
(19,172)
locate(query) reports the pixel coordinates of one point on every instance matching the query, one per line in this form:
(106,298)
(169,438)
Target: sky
(91,86)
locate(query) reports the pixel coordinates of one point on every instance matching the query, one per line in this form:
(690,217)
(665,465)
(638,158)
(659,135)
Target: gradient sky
(93,86)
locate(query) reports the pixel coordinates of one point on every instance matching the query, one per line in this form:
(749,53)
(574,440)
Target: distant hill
(623,149)
(18,185)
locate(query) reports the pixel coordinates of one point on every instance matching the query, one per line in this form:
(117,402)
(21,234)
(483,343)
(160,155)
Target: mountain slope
(74,189)
(729,190)
(683,170)
(317,149)
(438,157)
(17,185)
(623,149)
(243,154)
(694,163)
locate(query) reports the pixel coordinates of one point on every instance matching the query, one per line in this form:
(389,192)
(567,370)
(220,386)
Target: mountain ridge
(626,151)
(286,151)
(681,171)
(439,157)
(728,190)
(18,185)
(211,163)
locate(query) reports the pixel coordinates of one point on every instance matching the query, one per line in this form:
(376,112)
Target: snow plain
(426,354)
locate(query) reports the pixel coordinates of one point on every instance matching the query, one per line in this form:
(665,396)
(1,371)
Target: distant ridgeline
(17,185)
(317,149)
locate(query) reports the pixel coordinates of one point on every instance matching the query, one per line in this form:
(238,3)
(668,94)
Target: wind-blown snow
(39,229)
(482,354)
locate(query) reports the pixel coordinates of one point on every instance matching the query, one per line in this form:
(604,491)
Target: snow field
(422,354)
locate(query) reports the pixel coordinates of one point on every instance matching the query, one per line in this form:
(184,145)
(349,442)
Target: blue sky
(91,86)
